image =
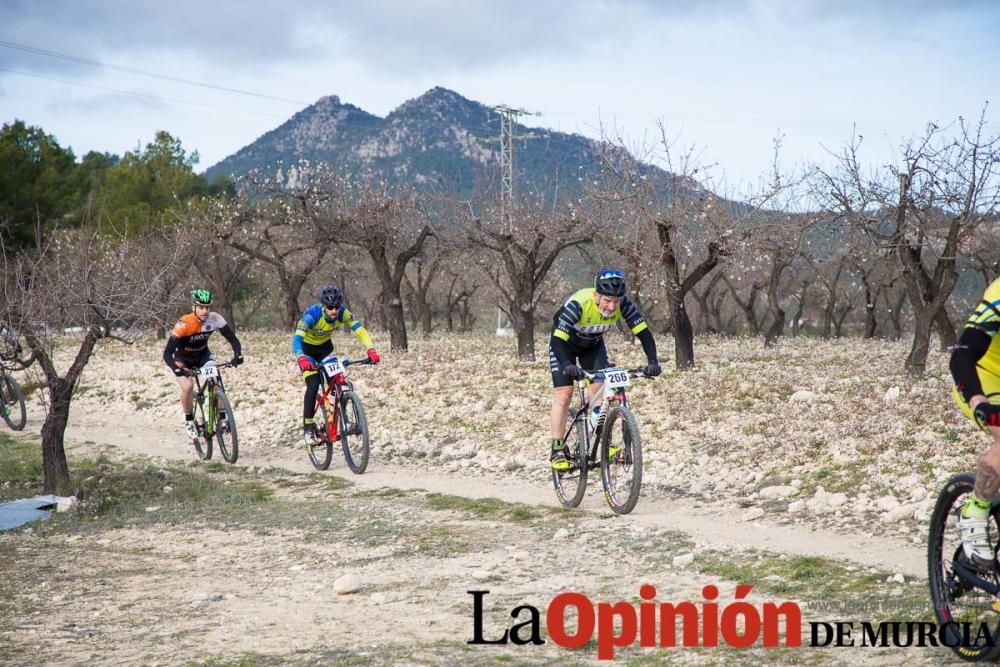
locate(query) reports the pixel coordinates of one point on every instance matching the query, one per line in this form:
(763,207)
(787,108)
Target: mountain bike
(617,433)
(213,413)
(12,401)
(960,592)
(341,416)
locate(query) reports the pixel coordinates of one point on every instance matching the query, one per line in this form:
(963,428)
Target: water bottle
(595,417)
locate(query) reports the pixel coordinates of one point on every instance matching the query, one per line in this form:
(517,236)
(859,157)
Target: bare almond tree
(288,223)
(100,286)
(389,223)
(694,228)
(419,295)
(924,210)
(518,255)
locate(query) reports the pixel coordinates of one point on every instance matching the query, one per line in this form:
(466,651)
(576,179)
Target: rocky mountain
(438,139)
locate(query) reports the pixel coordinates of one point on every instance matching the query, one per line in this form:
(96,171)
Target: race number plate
(208,372)
(332,366)
(615,378)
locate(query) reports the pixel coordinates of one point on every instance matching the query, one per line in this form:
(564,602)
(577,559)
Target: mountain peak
(438,101)
(439,137)
(328,101)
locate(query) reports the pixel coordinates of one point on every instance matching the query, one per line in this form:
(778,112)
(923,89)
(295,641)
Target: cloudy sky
(725,76)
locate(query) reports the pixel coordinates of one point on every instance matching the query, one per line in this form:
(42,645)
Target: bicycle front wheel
(621,460)
(956,600)
(203,443)
(354,432)
(571,484)
(321,453)
(225,429)
(12,403)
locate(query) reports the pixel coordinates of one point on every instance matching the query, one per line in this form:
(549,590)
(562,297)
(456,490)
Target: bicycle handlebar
(191,372)
(632,373)
(987,414)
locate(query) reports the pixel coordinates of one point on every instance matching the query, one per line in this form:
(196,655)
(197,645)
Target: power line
(137,94)
(96,63)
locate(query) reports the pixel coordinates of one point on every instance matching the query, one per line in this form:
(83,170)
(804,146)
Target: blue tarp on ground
(19,512)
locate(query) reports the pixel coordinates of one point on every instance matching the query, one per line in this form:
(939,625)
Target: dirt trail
(708,526)
(225,591)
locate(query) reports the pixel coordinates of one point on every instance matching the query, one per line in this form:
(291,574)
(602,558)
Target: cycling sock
(975,508)
(189,416)
(307,420)
(557,444)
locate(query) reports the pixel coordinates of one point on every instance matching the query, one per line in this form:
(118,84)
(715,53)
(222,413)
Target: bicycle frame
(618,396)
(337,384)
(209,388)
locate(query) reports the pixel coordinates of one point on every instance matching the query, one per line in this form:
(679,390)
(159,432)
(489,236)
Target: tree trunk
(916,360)
(774,303)
(523,320)
(838,321)
(748,307)
(800,306)
(467,317)
(777,326)
(870,322)
(945,329)
(397,324)
(54,465)
(425,322)
(683,337)
(828,316)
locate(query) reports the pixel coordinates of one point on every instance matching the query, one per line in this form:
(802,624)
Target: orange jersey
(192,334)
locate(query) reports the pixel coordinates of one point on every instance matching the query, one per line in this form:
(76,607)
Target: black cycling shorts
(318,352)
(591,358)
(194,362)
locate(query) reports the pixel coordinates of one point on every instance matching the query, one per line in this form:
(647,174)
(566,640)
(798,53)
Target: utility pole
(508,117)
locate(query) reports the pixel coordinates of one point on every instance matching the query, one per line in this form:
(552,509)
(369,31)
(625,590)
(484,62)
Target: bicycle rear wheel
(321,453)
(203,443)
(621,460)
(571,484)
(955,599)
(354,432)
(12,403)
(225,429)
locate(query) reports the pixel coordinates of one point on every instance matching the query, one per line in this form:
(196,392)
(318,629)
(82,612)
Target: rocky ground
(807,471)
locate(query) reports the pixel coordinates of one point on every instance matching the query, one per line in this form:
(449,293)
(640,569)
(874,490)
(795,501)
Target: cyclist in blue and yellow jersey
(312,341)
(975,369)
(577,343)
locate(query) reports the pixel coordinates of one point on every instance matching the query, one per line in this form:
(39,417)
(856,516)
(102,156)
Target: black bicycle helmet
(331,296)
(610,283)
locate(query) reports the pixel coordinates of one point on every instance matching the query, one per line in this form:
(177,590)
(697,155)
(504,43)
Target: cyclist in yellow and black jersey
(975,369)
(313,340)
(577,343)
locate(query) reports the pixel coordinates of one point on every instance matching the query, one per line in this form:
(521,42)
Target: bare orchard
(807,469)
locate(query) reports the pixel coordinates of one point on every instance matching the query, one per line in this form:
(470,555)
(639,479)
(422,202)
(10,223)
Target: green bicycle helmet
(201,297)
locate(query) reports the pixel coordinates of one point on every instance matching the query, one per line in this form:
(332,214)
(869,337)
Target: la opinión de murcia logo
(618,624)
(737,624)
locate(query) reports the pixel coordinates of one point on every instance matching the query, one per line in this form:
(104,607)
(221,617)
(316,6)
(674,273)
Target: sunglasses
(612,274)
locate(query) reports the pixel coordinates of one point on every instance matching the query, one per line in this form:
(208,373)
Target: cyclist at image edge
(577,343)
(975,368)
(187,348)
(312,342)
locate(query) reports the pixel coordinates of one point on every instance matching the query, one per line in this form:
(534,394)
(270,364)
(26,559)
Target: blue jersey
(315,327)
